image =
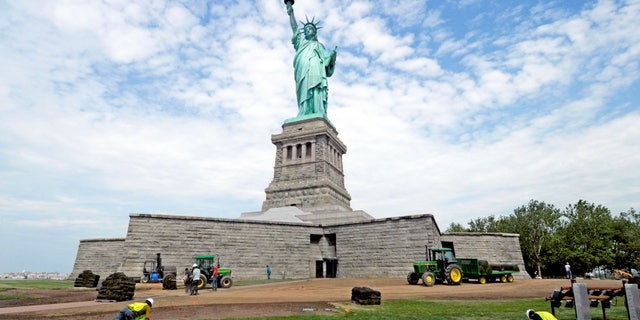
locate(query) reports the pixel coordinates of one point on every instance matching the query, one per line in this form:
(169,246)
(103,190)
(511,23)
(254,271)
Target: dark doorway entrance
(332,267)
(319,269)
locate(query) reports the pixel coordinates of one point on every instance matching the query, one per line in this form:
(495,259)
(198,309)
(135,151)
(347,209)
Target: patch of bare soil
(274,299)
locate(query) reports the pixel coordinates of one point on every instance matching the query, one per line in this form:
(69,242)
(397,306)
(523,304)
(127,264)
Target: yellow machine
(619,274)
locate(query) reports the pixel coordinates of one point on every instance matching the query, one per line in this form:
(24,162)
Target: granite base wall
(377,248)
(383,247)
(242,245)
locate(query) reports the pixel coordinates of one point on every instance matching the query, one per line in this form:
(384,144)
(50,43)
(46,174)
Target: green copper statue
(313,65)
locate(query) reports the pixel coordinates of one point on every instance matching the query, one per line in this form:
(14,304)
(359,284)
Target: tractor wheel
(482,280)
(202,282)
(503,279)
(453,274)
(428,279)
(510,278)
(226,282)
(413,278)
(144,279)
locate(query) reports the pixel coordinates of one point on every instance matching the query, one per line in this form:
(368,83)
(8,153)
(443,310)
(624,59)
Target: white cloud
(424,66)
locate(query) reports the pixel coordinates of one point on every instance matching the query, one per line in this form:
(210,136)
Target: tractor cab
(152,270)
(205,263)
(442,257)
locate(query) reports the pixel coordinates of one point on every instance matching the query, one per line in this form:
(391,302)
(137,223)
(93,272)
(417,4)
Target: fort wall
(376,248)
(101,256)
(383,247)
(496,248)
(244,246)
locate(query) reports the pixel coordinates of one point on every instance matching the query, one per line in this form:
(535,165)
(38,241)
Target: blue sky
(460,109)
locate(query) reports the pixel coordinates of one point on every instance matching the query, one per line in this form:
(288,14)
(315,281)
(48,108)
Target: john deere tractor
(441,266)
(206,272)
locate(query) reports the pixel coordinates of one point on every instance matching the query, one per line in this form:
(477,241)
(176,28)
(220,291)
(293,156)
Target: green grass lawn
(457,310)
(6,286)
(35,284)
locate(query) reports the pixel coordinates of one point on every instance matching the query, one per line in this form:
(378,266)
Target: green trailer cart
(483,272)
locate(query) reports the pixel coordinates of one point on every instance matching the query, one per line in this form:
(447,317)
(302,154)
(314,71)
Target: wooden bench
(596,295)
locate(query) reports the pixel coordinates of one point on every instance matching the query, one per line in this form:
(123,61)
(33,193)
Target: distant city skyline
(34,275)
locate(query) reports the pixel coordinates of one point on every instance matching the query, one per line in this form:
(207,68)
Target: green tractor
(206,272)
(441,266)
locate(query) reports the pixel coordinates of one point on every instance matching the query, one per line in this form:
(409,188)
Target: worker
(196,278)
(136,311)
(540,315)
(214,277)
(567,268)
(187,280)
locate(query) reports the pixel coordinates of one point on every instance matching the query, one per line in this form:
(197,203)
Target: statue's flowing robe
(312,64)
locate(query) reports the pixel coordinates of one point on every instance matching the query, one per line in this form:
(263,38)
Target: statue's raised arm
(292,17)
(312,64)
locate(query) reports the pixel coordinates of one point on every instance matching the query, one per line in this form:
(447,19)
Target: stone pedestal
(308,171)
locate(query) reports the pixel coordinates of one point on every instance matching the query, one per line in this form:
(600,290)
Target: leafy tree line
(586,235)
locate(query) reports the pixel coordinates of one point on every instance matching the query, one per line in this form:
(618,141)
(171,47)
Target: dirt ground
(315,296)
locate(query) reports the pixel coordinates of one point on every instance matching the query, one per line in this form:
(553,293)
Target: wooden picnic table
(597,294)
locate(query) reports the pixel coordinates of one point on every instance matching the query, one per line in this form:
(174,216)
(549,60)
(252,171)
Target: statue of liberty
(312,66)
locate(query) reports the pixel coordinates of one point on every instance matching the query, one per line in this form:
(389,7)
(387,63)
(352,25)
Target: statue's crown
(312,22)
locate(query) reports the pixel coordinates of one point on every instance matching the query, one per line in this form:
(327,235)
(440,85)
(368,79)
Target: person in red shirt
(214,284)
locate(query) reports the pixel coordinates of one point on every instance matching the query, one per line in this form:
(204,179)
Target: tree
(536,223)
(626,241)
(456,227)
(487,224)
(586,237)
(584,234)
